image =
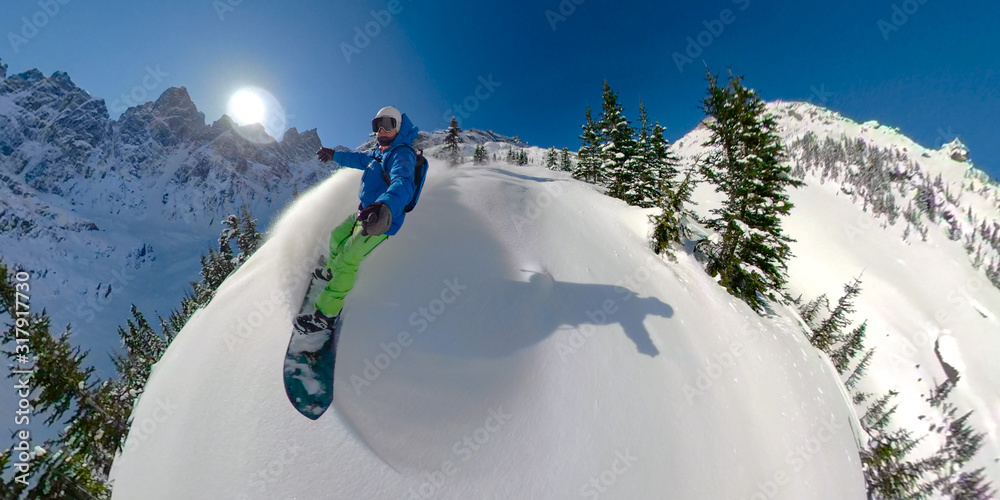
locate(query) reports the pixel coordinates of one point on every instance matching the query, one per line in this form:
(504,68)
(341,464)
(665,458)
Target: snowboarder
(387,187)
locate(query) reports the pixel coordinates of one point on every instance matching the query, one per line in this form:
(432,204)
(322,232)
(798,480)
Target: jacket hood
(407,132)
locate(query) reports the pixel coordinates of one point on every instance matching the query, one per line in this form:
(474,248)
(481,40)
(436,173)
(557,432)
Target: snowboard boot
(322,273)
(309,323)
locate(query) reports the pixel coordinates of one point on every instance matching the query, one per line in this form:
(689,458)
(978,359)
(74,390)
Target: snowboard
(310,361)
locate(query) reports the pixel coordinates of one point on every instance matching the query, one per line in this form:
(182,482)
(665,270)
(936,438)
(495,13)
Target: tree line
(93,415)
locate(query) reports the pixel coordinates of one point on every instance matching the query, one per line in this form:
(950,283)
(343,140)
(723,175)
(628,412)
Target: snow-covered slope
(517,339)
(926,302)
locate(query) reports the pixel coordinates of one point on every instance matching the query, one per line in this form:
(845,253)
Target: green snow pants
(347,248)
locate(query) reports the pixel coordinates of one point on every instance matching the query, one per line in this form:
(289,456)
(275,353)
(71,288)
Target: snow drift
(516,339)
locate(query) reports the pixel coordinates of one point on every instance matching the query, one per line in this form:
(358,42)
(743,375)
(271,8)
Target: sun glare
(246,107)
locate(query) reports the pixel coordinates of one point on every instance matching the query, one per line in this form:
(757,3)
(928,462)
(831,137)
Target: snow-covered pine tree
(143,347)
(551,158)
(240,231)
(452,153)
(878,414)
(746,166)
(827,334)
(810,311)
(521,158)
(617,147)
(961,443)
(888,473)
(859,372)
(480,156)
(663,162)
(849,349)
(674,195)
(588,168)
(66,396)
(565,163)
(644,167)
(669,225)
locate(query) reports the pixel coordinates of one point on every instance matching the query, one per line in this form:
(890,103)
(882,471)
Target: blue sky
(932,70)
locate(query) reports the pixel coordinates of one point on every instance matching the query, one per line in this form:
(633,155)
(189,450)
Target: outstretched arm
(352,160)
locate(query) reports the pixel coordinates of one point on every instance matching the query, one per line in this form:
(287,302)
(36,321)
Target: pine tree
(143,347)
(551,158)
(93,415)
(480,156)
(521,158)
(669,225)
(960,445)
(65,395)
(859,370)
(809,311)
(647,188)
(617,148)
(878,414)
(662,161)
(849,349)
(588,168)
(745,165)
(452,153)
(828,332)
(888,473)
(565,163)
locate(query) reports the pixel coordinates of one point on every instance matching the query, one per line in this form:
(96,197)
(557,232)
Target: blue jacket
(400,167)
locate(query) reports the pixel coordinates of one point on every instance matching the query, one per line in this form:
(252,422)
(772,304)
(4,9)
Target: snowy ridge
(95,207)
(929,307)
(525,357)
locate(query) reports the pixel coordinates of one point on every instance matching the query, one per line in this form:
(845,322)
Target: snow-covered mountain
(106,212)
(921,227)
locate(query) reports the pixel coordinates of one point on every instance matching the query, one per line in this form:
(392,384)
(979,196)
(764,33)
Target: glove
(324,154)
(375,219)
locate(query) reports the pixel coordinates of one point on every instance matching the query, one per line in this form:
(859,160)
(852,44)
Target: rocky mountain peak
(957,150)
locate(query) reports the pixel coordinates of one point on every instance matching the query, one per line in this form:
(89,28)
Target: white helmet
(380,120)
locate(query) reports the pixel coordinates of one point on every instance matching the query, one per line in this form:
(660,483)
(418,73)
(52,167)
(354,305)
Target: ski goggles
(386,123)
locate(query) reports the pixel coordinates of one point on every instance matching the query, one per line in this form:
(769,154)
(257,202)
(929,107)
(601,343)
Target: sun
(246,107)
